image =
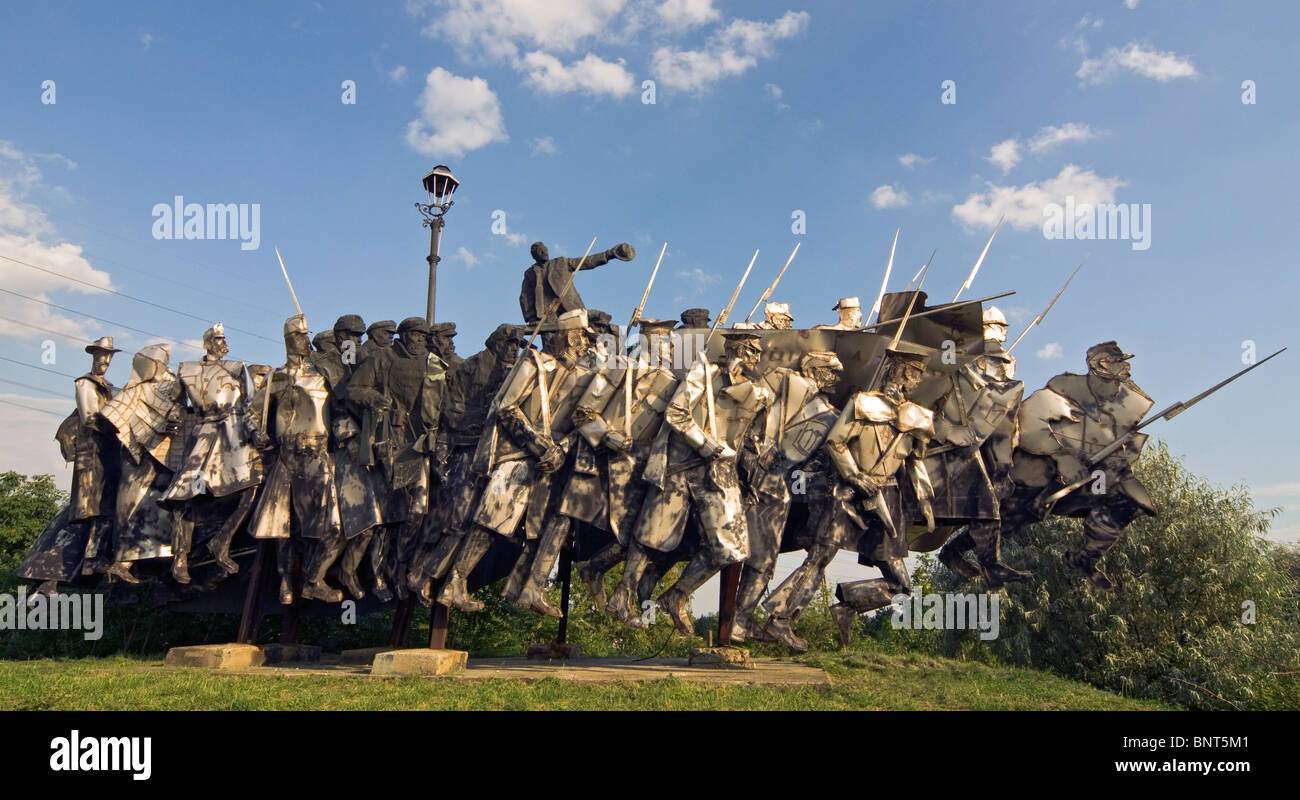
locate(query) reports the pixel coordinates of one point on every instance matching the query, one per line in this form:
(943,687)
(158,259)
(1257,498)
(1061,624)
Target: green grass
(861,680)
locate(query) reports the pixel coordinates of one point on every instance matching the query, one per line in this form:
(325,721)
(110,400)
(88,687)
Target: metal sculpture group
(398,464)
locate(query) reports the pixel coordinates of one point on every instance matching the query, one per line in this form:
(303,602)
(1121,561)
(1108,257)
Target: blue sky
(761,109)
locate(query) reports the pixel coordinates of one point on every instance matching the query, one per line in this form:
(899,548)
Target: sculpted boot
(844,616)
(673,603)
(122,571)
(219,545)
(778,629)
(322,592)
(1088,565)
(182,535)
(953,556)
(988,544)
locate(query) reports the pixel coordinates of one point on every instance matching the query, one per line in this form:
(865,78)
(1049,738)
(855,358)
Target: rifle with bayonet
(1119,441)
(772,288)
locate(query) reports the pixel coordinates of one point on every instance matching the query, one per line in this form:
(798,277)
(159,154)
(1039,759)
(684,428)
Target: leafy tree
(27,504)
(1205,613)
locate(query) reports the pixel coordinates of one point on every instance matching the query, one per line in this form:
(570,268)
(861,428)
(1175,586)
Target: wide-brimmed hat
(103,344)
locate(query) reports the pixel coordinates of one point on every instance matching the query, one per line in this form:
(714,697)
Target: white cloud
(467,258)
(1023,205)
(910,160)
(1131,4)
(1005,155)
(1050,351)
(694,282)
(146,39)
(27,235)
(735,49)
(457,115)
(888,197)
(397,74)
(684,14)
(544,146)
(1053,135)
(499,28)
(592,74)
(1086,21)
(775,93)
(516,239)
(1133,57)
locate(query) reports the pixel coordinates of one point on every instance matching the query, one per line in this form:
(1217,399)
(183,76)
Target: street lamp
(439,186)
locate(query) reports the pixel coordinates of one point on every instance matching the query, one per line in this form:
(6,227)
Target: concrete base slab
(290,653)
(216,656)
(721,658)
(362,655)
(419,661)
(555,651)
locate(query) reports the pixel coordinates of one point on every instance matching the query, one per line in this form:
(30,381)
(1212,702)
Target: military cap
(911,351)
(413,324)
(295,324)
(994,316)
(505,331)
(103,344)
(568,321)
(821,358)
(320,340)
(649,326)
(443,329)
(742,337)
(847,302)
(1110,349)
(350,323)
(599,320)
(777,308)
(382,325)
(695,317)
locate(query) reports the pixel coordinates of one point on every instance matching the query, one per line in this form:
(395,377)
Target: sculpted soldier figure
(695,318)
(323,343)
(1061,427)
(969,459)
(623,440)
(398,393)
(521,452)
(300,486)
(548,282)
(470,389)
(441,335)
(146,416)
(97,460)
(716,414)
(801,417)
(850,311)
(879,435)
(222,466)
(357,503)
(379,336)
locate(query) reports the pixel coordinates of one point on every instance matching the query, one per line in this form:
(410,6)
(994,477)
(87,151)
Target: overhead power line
(42,369)
(131,297)
(34,408)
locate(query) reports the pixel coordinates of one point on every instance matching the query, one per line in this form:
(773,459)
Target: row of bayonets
(918,280)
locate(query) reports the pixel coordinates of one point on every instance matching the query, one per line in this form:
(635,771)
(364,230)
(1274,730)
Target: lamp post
(439,186)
